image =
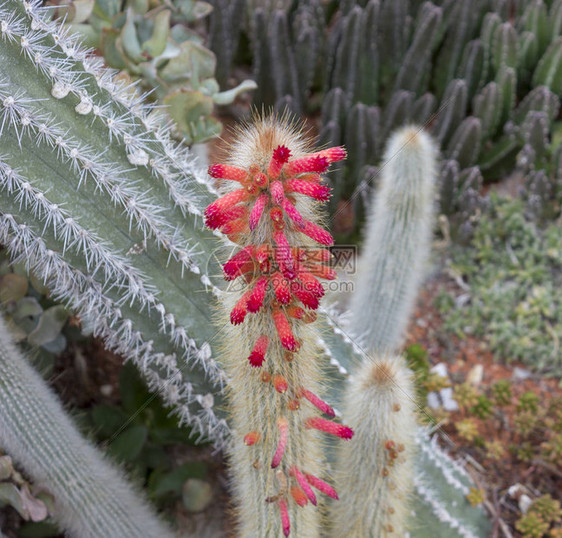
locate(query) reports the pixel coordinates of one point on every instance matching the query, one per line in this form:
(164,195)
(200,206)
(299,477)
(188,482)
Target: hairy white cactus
(380,407)
(92,497)
(397,241)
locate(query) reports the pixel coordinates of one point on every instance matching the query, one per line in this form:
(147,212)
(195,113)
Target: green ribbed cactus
(92,499)
(439,64)
(119,203)
(286,51)
(107,211)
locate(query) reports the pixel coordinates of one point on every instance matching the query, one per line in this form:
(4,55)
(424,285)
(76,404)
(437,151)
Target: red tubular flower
(320,485)
(280,156)
(317,233)
(321,193)
(226,171)
(318,403)
(310,163)
(292,212)
(235,226)
(251,438)
(276,215)
(283,255)
(234,266)
(327,426)
(257,210)
(257,356)
(213,211)
(261,180)
(285,523)
(310,283)
(283,426)
(299,496)
(236,212)
(277,192)
(317,178)
(280,383)
(240,309)
(255,301)
(337,153)
(307,298)
(303,483)
(295,312)
(281,288)
(284,331)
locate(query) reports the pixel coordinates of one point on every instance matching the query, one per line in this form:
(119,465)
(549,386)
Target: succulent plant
(153,43)
(33,317)
(106,211)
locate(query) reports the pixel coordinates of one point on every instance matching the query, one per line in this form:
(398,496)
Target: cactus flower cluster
(270,211)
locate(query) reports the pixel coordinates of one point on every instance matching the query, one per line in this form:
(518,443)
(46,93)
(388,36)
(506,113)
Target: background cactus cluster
(160,44)
(484,77)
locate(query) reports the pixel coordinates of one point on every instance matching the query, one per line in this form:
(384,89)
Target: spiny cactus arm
(374,477)
(92,498)
(397,241)
(440,507)
(272,184)
(414,66)
(115,204)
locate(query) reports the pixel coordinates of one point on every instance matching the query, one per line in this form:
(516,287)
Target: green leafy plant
(512,269)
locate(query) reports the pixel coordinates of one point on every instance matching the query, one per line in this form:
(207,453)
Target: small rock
(475,375)
(106,390)
(519,374)
(433,400)
(449,404)
(440,369)
(524,503)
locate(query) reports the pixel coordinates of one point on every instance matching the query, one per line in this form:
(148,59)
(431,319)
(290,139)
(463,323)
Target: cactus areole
(270,209)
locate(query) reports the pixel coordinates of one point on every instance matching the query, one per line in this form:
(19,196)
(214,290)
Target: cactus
(401,473)
(286,51)
(276,455)
(225,24)
(104,208)
(101,252)
(468,55)
(92,498)
(380,406)
(402,235)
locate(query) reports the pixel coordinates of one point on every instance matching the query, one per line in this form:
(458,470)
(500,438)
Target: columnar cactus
(397,241)
(396,472)
(272,186)
(92,498)
(103,207)
(380,406)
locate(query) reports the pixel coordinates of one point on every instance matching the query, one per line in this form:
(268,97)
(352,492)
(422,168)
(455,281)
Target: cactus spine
(397,241)
(380,406)
(269,208)
(92,499)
